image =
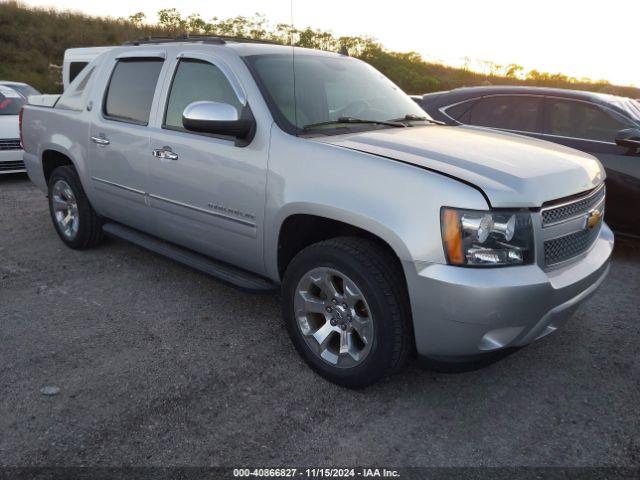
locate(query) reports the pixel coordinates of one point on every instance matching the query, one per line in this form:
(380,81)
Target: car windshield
(325,90)
(630,106)
(10,101)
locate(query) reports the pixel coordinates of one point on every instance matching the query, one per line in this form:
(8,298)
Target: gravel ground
(160,365)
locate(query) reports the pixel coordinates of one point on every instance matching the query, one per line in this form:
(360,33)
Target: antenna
(293,67)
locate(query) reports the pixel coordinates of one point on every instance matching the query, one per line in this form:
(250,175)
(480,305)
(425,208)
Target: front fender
(332,212)
(398,203)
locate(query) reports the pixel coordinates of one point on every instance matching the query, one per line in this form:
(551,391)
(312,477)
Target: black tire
(379,277)
(89,232)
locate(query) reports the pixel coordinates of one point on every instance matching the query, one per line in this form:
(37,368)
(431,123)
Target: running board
(222,271)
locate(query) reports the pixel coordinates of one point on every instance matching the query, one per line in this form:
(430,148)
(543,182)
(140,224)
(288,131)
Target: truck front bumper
(11,161)
(461,312)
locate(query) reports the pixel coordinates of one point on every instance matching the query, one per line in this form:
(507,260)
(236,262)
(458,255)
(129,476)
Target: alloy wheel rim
(65,209)
(334,317)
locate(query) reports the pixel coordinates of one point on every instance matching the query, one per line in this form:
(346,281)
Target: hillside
(33,41)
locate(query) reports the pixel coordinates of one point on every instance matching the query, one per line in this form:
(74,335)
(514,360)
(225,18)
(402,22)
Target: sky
(578,38)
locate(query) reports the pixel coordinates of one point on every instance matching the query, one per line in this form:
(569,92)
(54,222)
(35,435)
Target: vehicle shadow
(13,178)
(469,364)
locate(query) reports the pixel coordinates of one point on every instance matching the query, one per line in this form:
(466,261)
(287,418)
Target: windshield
(10,101)
(328,89)
(631,107)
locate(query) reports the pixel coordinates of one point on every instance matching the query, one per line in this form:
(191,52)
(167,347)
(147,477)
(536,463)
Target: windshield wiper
(341,120)
(417,118)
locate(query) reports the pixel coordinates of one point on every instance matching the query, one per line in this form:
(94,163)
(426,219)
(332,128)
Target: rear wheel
(346,310)
(73,217)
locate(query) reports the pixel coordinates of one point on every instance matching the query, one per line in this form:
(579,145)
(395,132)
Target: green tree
(513,70)
(137,19)
(171,21)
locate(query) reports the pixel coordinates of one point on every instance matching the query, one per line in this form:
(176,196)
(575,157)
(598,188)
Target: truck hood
(9,128)
(512,170)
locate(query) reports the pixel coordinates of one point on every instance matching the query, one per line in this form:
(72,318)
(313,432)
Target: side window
(84,82)
(75,68)
(568,118)
(510,112)
(131,89)
(72,98)
(462,111)
(194,81)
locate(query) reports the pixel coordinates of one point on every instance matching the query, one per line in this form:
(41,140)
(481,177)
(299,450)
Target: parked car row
(386,232)
(605,126)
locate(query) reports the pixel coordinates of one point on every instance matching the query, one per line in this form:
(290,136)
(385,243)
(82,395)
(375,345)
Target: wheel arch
(53,158)
(303,226)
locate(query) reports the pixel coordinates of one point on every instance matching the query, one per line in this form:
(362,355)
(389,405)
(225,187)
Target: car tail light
(20,127)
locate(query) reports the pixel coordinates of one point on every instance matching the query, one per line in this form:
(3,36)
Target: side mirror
(218,119)
(629,137)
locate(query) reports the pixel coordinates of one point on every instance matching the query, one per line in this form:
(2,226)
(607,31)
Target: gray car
(311,173)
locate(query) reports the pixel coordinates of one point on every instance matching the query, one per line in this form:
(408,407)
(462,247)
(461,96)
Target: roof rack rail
(215,39)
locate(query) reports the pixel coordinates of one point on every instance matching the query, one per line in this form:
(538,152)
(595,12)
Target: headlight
(486,238)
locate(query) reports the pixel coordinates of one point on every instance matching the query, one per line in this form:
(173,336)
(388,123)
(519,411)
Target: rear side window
(73,97)
(582,120)
(195,81)
(462,111)
(75,68)
(509,112)
(10,101)
(131,89)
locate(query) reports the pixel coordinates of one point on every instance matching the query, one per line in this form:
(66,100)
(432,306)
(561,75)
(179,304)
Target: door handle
(165,153)
(100,140)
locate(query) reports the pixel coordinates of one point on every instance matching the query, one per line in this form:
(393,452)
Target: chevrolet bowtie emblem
(594,218)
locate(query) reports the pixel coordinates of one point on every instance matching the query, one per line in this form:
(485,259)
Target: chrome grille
(565,248)
(17,165)
(576,208)
(13,144)
(566,229)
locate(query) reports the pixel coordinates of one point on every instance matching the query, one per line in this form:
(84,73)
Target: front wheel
(76,222)
(347,311)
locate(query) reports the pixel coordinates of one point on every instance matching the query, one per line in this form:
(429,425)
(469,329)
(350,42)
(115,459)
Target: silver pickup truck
(270,167)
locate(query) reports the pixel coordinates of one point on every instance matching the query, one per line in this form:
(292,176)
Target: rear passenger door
(119,149)
(209,195)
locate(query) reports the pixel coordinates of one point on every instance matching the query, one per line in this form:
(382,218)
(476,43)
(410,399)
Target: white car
(10,150)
